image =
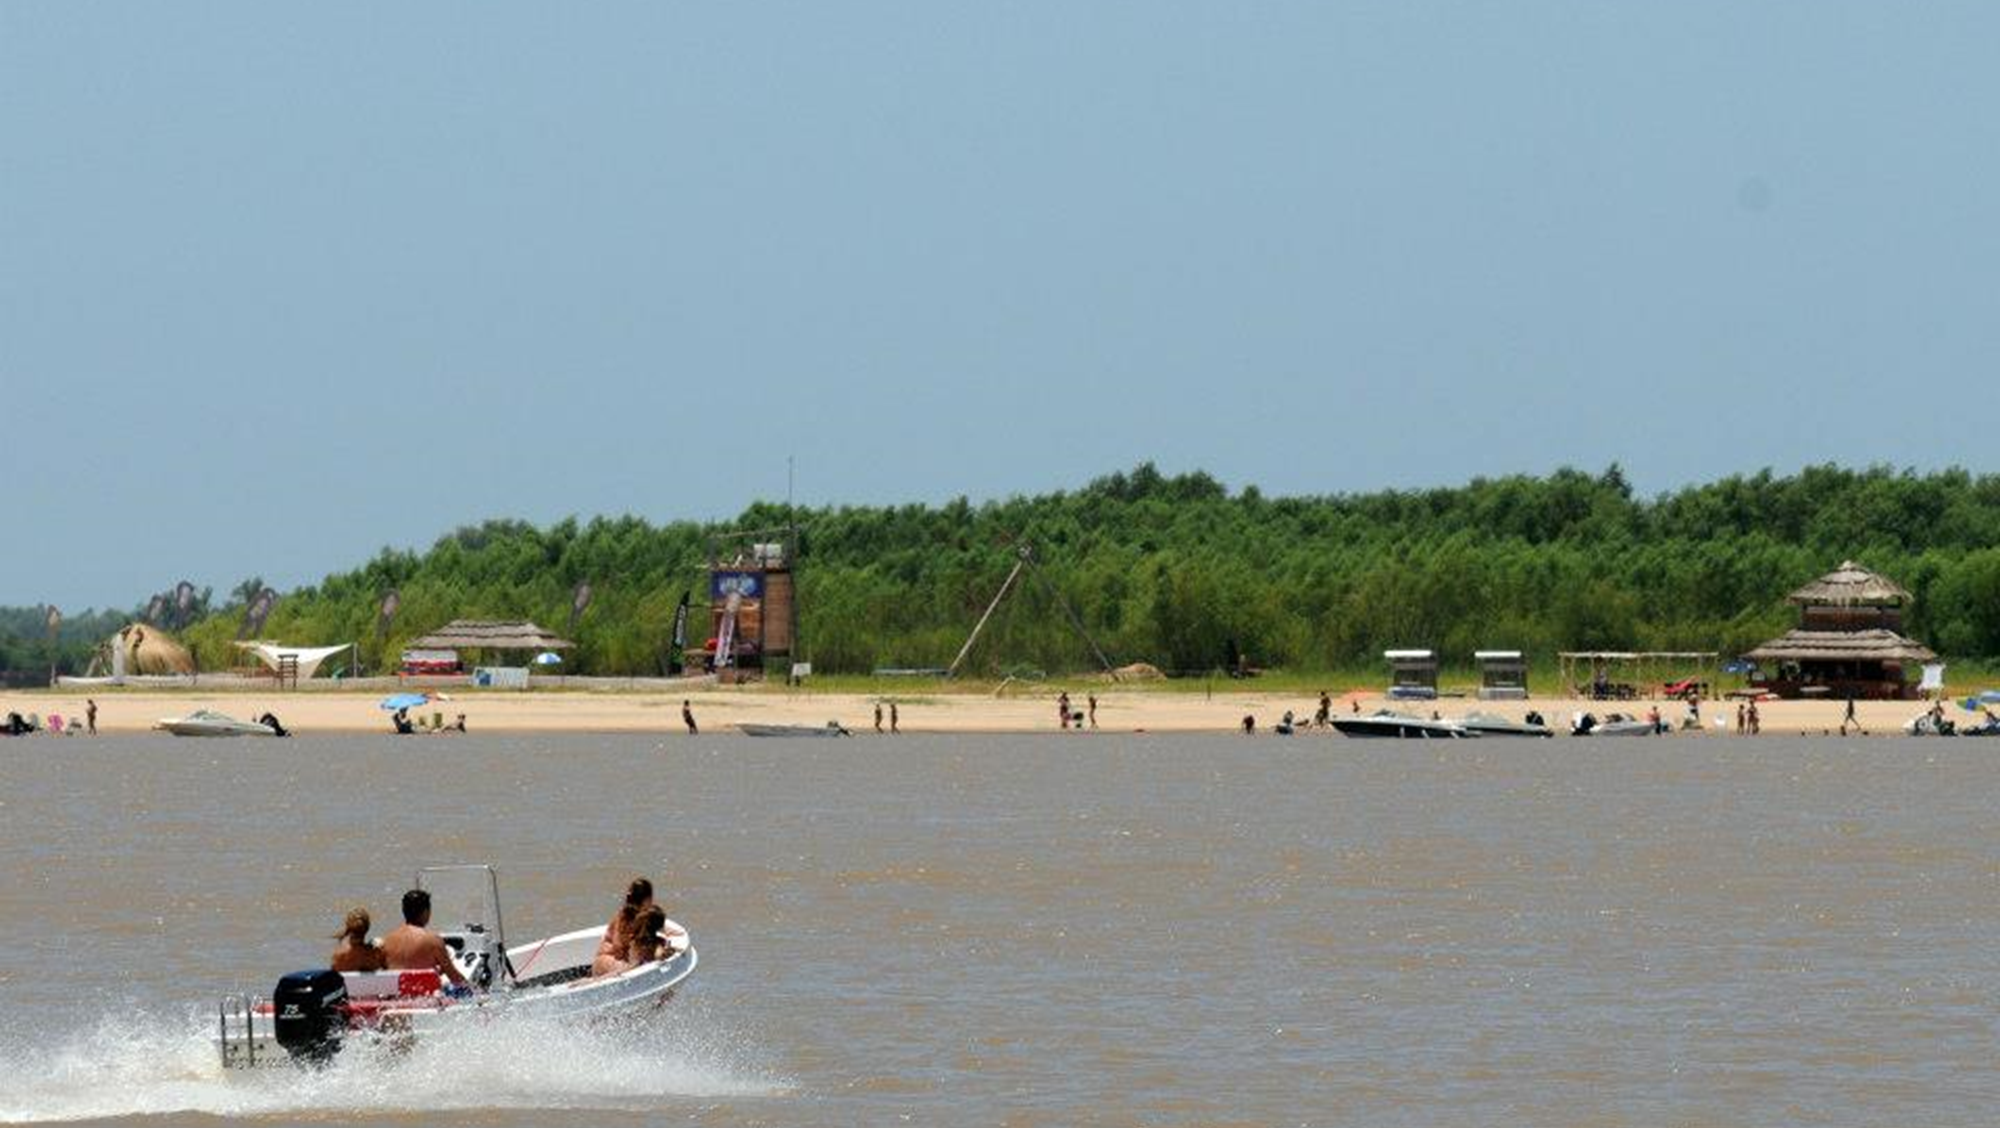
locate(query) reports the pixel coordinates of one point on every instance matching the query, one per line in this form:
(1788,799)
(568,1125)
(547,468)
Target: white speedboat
(1486,724)
(310,1015)
(1400,726)
(207,722)
(1613,724)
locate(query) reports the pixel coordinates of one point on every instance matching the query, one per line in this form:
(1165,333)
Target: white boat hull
(201,729)
(1397,726)
(552,982)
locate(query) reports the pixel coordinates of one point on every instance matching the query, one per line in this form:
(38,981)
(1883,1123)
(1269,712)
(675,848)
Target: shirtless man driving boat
(414,947)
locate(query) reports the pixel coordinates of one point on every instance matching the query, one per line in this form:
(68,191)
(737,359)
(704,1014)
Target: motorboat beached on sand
(1486,724)
(831,728)
(1390,724)
(1612,724)
(311,1015)
(207,722)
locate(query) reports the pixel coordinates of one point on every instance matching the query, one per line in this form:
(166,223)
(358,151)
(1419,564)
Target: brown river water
(1046,930)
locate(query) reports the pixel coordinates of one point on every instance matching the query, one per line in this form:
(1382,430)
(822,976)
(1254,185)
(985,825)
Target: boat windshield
(463,896)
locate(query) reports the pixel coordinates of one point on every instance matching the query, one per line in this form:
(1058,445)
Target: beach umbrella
(1975,704)
(548,658)
(396,701)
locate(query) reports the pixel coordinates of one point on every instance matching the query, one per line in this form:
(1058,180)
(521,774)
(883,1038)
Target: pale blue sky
(283,283)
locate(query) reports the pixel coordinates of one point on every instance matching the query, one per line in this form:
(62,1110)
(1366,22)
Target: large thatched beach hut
(1848,643)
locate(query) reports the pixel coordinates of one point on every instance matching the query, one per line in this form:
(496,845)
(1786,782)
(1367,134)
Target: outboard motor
(309,1017)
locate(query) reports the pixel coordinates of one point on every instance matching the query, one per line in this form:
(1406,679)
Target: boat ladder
(237,1017)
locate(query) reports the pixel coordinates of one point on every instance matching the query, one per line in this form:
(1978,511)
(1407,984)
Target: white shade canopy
(308,657)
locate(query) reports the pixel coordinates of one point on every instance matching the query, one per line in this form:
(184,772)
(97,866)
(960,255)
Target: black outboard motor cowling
(309,1014)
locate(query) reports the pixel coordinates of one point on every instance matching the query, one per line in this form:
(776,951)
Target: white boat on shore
(311,1015)
(208,722)
(1613,724)
(1487,724)
(831,728)
(1388,724)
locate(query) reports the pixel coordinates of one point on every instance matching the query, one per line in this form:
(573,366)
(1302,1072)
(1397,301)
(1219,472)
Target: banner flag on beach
(391,603)
(680,636)
(258,611)
(577,602)
(183,597)
(54,621)
(154,608)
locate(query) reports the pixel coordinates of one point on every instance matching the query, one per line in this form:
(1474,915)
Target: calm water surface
(1054,930)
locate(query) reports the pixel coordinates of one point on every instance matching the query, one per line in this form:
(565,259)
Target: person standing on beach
(1325,713)
(90,713)
(1062,710)
(1742,720)
(1756,726)
(878,716)
(895,721)
(1092,702)
(687,717)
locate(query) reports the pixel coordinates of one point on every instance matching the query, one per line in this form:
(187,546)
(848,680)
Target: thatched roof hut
(488,634)
(1842,646)
(1848,642)
(1851,585)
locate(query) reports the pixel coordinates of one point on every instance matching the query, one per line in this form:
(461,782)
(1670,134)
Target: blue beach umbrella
(548,658)
(1975,704)
(397,701)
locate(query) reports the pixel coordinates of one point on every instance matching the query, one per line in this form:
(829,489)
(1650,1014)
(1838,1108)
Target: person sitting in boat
(414,947)
(618,933)
(355,951)
(647,945)
(644,944)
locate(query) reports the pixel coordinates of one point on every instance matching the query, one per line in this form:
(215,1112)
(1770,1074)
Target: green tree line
(1175,569)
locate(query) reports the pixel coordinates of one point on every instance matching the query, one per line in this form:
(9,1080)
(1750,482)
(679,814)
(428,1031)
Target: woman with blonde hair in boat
(355,951)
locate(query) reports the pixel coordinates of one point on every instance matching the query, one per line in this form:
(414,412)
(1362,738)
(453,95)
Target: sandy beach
(719,709)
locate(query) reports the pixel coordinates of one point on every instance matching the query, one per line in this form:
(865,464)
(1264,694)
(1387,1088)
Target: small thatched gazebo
(1848,642)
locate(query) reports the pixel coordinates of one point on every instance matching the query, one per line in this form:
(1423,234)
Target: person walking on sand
(1325,714)
(1849,718)
(90,713)
(878,718)
(687,717)
(1091,701)
(895,721)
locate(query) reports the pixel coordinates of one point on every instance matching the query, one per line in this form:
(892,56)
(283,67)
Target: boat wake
(149,1065)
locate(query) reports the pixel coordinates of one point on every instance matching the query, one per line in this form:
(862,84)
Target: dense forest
(1174,570)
